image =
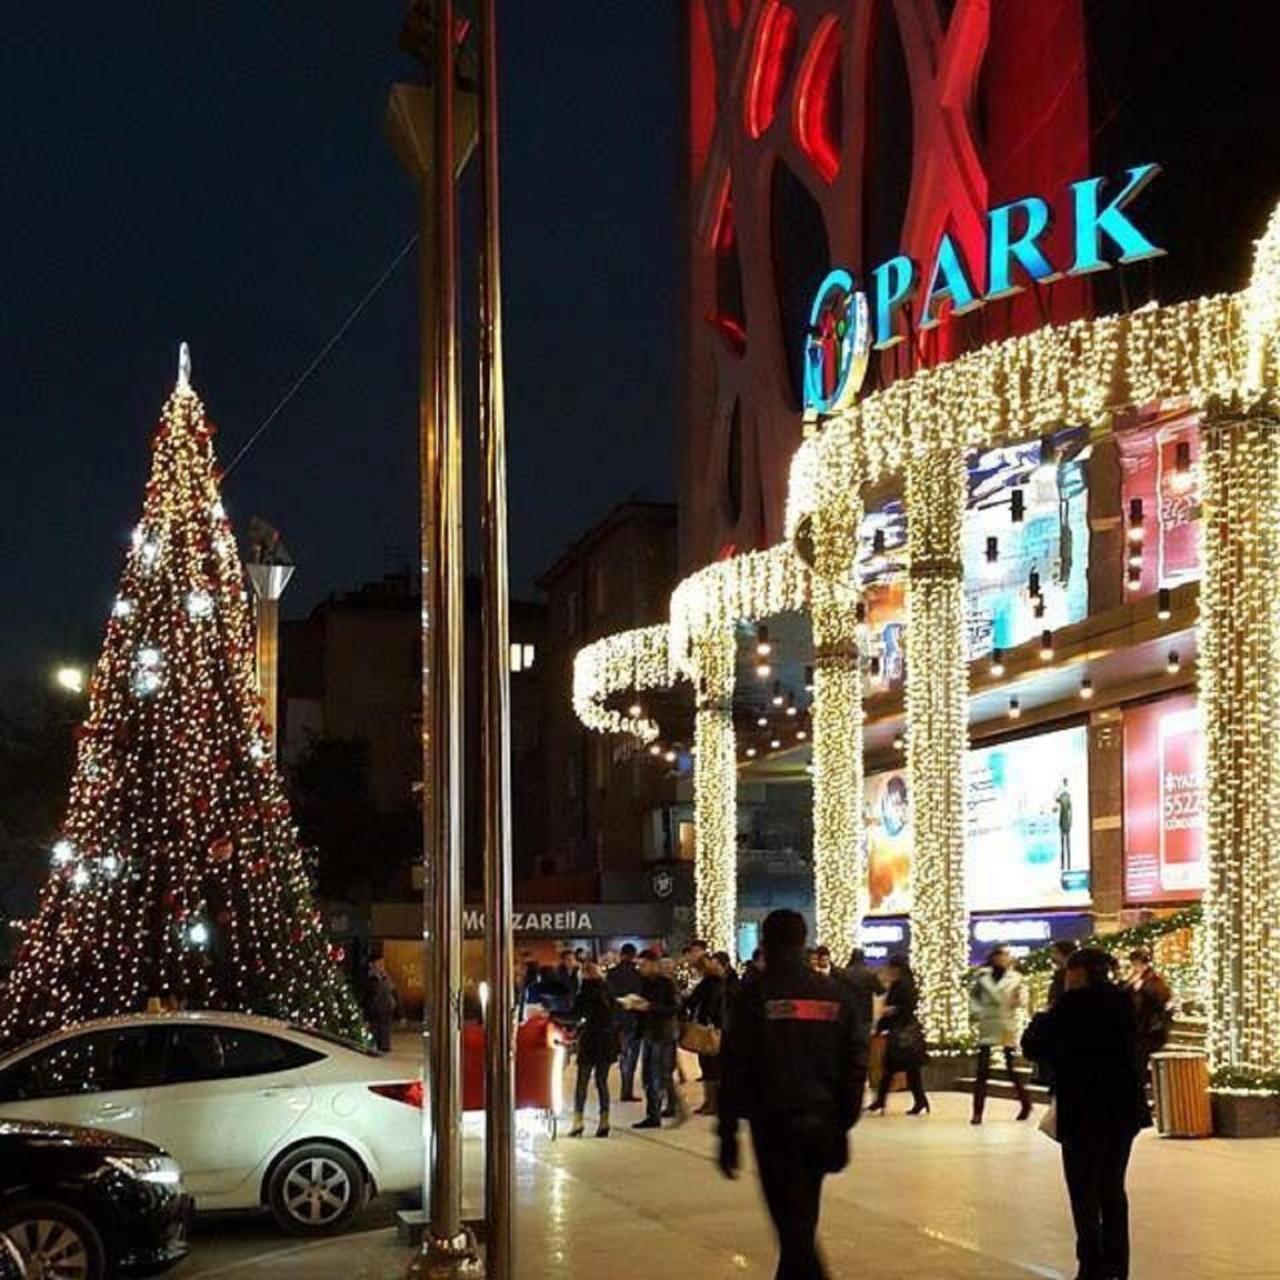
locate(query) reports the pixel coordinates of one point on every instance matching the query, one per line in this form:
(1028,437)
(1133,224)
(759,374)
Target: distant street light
(70,679)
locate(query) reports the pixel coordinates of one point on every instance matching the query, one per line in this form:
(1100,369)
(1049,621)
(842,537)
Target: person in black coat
(659,1009)
(597,1046)
(1088,1039)
(794,1064)
(705,1005)
(863,983)
(904,1049)
(624,980)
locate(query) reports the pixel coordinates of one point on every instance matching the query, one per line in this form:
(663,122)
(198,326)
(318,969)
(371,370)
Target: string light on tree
(169,760)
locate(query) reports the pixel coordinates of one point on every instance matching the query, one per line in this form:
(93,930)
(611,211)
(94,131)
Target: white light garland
(751,587)
(1239,665)
(629,661)
(937,706)
(715,789)
(841,889)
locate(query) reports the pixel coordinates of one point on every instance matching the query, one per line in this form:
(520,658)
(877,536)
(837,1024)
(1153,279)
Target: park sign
(844,328)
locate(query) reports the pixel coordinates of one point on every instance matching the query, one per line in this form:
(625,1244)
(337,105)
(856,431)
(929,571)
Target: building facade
(351,672)
(611,805)
(960,552)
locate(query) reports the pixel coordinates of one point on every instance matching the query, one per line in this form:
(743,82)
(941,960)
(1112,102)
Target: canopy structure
(1217,356)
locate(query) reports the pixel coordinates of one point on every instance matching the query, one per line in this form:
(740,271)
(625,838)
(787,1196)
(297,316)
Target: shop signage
(882,938)
(844,328)
(581,920)
(1023,933)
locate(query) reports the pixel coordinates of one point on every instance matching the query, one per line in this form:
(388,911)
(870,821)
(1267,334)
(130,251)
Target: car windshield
(327,1037)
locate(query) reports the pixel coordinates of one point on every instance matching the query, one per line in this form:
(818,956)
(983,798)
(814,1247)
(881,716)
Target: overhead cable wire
(318,359)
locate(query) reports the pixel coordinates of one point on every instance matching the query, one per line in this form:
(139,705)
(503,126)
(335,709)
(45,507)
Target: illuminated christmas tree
(177,874)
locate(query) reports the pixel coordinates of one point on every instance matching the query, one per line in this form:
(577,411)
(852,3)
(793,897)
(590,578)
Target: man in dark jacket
(383,1002)
(1088,1040)
(624,980)
(862,983)
(659,1009)
(1152,1001)
(794,1065)
(569,974)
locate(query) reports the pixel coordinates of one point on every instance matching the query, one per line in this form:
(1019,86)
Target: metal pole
(499,1062)
(447,1248)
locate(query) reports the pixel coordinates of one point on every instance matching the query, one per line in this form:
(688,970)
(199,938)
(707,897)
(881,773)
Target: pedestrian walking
(1088,1040)
(996,1001)
(862,982)
(624,980)
(794,1067)
(1152,1007)
(597,1047)
(658,1005)
(704,1009)
(904,1038)
(382,1003)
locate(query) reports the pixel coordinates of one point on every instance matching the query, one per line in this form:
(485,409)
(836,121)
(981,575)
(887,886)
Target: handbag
(907,1047)
(699,1039)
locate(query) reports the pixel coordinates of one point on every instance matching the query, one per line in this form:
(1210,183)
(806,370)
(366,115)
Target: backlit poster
(1024,576)
(889,841)
(1159,468)
(1164,802)
(1027,842)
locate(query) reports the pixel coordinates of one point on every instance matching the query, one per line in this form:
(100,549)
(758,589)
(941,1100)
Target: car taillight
(409,1093)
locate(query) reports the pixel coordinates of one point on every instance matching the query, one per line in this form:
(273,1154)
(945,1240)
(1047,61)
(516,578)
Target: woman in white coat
(996,1000)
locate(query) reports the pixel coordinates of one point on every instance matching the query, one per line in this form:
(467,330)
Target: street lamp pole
(500,1044)
(448,1249)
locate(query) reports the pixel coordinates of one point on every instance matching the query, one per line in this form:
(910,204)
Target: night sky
(218,173)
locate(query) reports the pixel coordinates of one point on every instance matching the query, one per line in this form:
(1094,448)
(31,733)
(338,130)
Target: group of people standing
(786,1047)
(636,1015)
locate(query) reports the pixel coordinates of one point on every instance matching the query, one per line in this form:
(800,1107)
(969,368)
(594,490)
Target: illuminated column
(937,734)
(1239,670)
(839,834)
(715,792)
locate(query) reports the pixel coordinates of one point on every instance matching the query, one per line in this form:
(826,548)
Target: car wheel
(316,1190)
(54,1241)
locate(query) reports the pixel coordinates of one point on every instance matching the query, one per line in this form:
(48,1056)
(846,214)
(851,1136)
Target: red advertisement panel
(1164,802)
(1160,467)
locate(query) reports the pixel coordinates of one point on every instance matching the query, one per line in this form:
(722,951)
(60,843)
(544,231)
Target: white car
(256,1112)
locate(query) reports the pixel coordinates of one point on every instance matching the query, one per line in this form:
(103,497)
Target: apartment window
(522,656)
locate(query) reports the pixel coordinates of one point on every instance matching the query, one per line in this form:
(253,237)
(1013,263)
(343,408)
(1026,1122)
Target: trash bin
(1181,1085)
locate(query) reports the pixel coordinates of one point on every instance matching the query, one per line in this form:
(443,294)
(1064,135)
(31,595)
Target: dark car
(82,1204)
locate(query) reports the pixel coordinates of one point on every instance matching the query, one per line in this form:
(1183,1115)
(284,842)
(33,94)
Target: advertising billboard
(1045,545)
(889,840)
(1027,843)
(1159,469)
(1049,545)
(1165,805)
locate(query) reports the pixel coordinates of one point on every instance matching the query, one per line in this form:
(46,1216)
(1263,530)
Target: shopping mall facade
(980,507)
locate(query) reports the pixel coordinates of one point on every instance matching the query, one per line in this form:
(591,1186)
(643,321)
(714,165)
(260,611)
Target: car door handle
(273,1093)
(113,1111)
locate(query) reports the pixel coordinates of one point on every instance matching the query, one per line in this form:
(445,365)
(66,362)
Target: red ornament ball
(220,850)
